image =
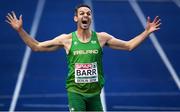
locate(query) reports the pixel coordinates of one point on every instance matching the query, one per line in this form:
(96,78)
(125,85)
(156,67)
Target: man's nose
(85,15)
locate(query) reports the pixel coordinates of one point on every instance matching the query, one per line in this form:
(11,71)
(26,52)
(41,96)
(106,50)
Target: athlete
(84,55)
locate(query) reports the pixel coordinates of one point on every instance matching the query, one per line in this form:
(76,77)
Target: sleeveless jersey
(85,66)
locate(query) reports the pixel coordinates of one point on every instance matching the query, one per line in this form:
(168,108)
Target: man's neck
(84,35)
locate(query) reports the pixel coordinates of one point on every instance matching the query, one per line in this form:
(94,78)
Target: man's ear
(75,19)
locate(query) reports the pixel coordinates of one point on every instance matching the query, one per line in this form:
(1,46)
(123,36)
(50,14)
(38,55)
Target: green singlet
(85,75)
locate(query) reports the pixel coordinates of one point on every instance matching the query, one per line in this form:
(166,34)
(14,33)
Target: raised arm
(115,43)
(49,45)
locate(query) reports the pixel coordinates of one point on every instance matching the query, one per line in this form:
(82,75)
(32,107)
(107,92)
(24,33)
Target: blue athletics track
(147,78)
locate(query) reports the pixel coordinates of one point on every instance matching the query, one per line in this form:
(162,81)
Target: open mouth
(84,21)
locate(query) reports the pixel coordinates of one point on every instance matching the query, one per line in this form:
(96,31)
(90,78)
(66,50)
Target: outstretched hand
(153,26)
(13,21)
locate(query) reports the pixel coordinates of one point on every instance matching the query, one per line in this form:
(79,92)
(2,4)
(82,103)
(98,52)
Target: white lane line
(145,108)
(58,95)
(46,105)
(150,94)
(103,100)
(27,53)
(113,94)
(177,2)
(144,94)
(155,42)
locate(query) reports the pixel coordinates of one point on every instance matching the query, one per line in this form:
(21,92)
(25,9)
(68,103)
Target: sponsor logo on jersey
(72,110)
(93,42)
(75,43)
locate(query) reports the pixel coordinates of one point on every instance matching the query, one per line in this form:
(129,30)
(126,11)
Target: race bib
(86,72)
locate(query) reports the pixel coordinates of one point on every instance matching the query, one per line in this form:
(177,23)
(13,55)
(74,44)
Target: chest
(91,47)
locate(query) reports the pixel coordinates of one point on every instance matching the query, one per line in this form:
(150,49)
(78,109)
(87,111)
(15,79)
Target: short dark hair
(79,6)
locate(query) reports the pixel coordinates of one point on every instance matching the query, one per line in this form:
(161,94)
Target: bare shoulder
(103,36)
(64,36)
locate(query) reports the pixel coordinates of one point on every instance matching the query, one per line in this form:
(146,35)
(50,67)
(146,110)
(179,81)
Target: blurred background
(145,79)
